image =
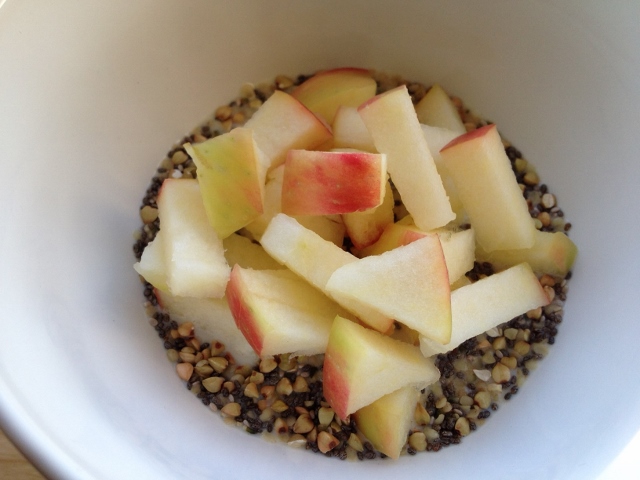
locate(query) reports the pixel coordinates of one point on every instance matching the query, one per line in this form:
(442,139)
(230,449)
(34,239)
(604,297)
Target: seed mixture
(282,396)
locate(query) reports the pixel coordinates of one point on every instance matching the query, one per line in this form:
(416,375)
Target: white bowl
(93,94)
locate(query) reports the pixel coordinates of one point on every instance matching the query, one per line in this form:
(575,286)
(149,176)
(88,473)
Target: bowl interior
(93,95)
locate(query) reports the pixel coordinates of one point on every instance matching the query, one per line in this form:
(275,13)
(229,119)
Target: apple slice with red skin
(231,174)
(552,253)
(488,303)
(354,352)
(329,227)
(489,190)
(327,183)
(194,255)
(409,283)
(278,312)
(392,122)
(437,109)
(386,421)
(282,123)
(326,91)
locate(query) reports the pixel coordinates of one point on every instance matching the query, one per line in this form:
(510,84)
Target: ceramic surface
(93,94)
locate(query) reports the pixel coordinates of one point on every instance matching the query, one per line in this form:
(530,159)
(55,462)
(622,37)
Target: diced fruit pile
(341,220)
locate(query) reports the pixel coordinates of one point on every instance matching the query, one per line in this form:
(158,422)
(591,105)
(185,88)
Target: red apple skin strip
(328,183)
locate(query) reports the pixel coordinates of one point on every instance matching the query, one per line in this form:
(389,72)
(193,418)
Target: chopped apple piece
(489,190)
(194,255)
(212,320)
(437,109)
(409,284)
(349,131)
(330,227)
(458,246)
(242,251)
(552,253)
(488,303)
(231,174)
(394,127)
(437,138)
(328,183)
(282,123)
(152,265)
(386,421)
(315,260)
(278,312)
(326,91)
(365,228)
(354,353)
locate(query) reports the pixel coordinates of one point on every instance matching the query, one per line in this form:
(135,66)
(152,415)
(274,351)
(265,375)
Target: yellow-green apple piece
(248,254)
(315,259)
(394,127)
(489,190)
(282,123)
(362,365)
(552,253)
(326,91)
(329,227)
(278,312)
(231,174)
(329,183)
(488,303)
(458,246)
(437,109)
(387,421)
(212,320)
(349,131)
(152,265)
(437,138)
(193,252)
(365,228)
(409,284)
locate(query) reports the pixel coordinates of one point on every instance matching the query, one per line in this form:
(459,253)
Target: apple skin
(328,183)
(387,421)
(327,91)
(329,227)
(244,317)
(488,190)
(353,352)
(279,312)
